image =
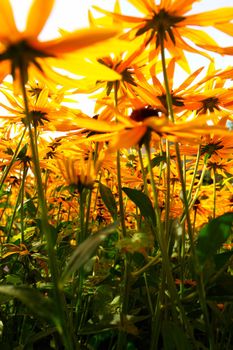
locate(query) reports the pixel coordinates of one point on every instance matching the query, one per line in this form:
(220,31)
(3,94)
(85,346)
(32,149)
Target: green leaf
(85,251)
(142,201)
(212,236)
(39,304)
(108,199)
(174,337)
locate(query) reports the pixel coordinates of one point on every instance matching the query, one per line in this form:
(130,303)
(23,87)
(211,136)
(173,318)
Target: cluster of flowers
(135,104)
(67,172)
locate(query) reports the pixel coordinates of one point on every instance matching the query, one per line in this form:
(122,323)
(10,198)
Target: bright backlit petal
(8,28)
(77,40)
(210,17)
(37,16)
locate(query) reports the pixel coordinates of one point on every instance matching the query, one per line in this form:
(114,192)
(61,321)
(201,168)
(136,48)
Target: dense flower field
(116,227)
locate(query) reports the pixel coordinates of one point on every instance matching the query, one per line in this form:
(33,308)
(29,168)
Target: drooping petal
(37,16)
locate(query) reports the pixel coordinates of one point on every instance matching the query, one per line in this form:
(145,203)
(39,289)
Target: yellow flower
(78,173)
(44,112)
(21,50)
(169,21)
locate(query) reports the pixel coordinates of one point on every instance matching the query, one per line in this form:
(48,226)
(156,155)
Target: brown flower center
(160,24)
(142,113)
(211,148)
(209,104)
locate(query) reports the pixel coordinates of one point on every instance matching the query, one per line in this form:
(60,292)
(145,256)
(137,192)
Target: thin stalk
(9,228)
(192,202)
(25,169)
(143,171)
(59,298)
(214,193)
(194,173)
(153,187)
(168,190)
(7,169)
(162,241)
(178,157)
(148,295)
(120,194)
(126,285)
(154,261)
(170,280)
(200,286)
(80,238)
(202,297)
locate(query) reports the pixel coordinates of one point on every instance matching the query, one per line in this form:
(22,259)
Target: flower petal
(7,28)
(37,16)
(77,40)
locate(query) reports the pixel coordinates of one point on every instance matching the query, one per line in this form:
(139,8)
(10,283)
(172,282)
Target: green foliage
(39,304)
(109,200)
(142,201)
(84,252)
(212,236)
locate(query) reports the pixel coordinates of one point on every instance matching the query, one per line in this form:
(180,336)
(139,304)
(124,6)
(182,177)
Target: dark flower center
(176,101)
(22,54)
(209,104)
(211,148)
(142,113)
(160,24)
(36,118)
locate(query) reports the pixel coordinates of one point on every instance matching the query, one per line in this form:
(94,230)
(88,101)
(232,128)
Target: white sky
(73,14)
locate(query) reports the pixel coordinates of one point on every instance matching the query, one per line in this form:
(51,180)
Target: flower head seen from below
(171,24)
(22,49)
(77,173)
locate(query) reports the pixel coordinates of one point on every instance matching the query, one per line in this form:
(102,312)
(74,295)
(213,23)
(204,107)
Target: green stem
(125,290)
(178,157)
(192,202)
(214,194)
(7,169)
(153,187)
(59,298)
(194,173)
(25,169)
(120,194)
(143,171)
(168,190)
(79,239)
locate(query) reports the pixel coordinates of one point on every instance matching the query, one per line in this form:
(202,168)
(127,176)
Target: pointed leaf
(142,201)
(212,236)
(109,200)
(39,304)
(85,251)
